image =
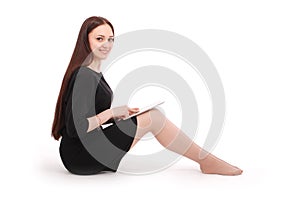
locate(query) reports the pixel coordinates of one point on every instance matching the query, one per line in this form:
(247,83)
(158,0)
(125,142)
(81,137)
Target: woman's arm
(99,119)
(117,112)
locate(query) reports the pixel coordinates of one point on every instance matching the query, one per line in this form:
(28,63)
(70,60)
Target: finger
(133,112)
(134,109)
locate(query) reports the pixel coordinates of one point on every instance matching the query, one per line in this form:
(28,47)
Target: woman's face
(101,41)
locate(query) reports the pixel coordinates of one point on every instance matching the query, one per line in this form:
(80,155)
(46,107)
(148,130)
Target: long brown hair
(80,56)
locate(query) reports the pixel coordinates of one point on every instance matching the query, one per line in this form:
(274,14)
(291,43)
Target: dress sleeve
(83,100)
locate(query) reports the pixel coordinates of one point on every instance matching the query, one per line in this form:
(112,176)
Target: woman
(83,106)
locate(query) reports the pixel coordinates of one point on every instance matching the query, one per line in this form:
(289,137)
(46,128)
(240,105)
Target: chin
(101,57)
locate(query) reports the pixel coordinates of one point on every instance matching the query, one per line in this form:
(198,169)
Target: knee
(156,114)
(153,120)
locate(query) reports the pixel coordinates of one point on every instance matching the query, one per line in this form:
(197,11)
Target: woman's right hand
(120,112)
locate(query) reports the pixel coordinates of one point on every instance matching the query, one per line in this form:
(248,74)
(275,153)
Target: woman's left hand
(133,110)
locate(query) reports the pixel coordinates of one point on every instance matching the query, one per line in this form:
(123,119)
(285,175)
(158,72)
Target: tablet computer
(145,109)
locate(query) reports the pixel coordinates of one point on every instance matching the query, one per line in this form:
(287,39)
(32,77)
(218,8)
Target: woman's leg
(177,141)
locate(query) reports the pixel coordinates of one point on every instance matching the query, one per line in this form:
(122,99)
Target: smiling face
(101,41)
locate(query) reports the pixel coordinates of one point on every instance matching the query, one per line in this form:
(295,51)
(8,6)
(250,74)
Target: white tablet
(145,109)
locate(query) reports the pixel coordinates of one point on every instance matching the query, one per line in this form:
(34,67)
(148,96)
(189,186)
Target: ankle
(204,156)
(204,161)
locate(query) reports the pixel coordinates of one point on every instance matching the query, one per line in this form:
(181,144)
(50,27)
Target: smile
(104,51)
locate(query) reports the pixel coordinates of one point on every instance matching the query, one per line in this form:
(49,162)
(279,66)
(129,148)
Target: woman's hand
(123,111)
(133,110)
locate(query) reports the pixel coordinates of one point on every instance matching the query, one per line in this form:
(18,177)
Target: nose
(107,43)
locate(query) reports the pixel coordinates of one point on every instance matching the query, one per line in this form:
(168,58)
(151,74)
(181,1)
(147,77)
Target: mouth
(104,51)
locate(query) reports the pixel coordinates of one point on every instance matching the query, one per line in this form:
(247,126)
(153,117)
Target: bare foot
(213,165)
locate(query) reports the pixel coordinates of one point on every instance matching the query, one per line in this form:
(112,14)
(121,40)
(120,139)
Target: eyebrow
(104,36)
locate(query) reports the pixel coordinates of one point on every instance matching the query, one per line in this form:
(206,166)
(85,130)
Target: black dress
(101,149)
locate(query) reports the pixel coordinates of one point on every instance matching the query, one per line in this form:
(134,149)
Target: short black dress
(86,153)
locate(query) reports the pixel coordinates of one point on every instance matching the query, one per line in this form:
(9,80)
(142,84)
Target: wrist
(99,120)
(109,113)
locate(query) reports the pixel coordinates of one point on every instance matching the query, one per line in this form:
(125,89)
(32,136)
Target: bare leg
(177,141)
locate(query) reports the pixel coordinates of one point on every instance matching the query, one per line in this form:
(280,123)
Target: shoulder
(85,77)
(84,73)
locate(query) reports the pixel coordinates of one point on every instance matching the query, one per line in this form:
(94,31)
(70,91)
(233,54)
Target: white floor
(46,179)
(180,182)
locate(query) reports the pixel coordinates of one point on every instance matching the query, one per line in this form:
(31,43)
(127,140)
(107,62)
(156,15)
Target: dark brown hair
(81,56)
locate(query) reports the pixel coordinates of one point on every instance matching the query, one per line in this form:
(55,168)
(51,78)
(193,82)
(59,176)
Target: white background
(255,47)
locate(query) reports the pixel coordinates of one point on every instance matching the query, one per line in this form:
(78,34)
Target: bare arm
(99,119)
(117,112)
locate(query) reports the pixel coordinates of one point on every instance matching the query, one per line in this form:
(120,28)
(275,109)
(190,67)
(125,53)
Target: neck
(96,65)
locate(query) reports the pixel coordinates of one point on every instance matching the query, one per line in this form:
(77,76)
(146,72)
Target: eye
(99,39)
(111,40)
